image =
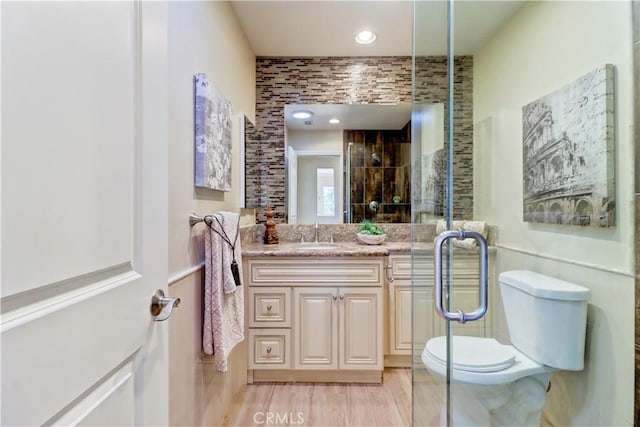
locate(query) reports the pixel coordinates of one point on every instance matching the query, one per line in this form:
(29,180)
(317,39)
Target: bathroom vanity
(315,318)
(342,312)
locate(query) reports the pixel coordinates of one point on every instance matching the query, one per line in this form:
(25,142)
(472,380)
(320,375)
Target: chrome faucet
(316,229)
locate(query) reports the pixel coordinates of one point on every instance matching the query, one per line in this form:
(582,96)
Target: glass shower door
(432,208)
(449,252)
(528,128)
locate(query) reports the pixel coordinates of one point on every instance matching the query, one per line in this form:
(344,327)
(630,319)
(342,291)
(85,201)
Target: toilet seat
(496,364)
(472,354)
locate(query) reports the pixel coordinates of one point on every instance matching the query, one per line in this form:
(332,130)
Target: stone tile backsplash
(289,233)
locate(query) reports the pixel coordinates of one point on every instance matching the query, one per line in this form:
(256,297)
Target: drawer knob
(269,307)
(269,350)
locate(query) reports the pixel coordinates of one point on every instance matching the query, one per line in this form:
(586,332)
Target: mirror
(367,148)
(247,132)
(429,157)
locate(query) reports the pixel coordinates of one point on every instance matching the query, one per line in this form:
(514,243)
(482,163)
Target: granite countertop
(289,249)
(399,237)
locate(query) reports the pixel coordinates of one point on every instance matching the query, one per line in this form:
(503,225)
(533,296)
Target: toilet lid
(472,354)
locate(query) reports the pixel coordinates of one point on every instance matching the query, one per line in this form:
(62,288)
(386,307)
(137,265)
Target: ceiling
(327,27)
(353,116)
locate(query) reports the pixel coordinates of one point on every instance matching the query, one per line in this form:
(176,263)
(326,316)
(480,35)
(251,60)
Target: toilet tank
(546,317)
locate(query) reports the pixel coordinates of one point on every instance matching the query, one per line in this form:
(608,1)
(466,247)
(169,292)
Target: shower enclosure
(524,137)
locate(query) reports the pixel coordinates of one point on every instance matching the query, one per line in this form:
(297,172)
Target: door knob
(162,306)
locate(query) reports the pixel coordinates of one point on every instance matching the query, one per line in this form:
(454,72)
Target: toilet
(506,385)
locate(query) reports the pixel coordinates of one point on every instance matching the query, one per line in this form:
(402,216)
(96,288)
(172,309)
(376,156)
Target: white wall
(203,37)
(545,46)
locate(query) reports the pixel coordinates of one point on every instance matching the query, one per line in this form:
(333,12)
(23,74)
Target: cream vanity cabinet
(427,322)
(315,318)
(399,306)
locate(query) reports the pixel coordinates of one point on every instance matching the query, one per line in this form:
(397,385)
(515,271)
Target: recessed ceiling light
(334,121)
(365,37)
(302,114)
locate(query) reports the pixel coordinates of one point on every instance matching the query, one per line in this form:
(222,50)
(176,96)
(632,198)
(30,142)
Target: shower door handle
(461,316)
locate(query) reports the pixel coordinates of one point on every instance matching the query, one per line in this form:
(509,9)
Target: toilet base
(518,403)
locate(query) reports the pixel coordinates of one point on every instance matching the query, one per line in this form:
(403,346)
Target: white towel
(223,301)
(468,243)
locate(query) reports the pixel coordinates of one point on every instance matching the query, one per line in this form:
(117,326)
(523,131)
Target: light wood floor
(333,405)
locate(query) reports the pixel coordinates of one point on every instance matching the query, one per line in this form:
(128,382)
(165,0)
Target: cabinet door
(400,327)
(465,297)
(360,328)
(316,328)
(466,286)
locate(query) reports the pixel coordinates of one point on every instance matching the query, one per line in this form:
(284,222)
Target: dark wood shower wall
(380,172)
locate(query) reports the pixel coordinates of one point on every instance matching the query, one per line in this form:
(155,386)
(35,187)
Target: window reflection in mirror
(318,196)
(325,192)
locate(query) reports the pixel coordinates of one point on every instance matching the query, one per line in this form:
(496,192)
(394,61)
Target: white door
(84,213)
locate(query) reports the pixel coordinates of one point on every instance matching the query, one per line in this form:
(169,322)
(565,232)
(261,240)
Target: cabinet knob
(269,350)
(269,307)
(389,269)
(341,297)
(335,297)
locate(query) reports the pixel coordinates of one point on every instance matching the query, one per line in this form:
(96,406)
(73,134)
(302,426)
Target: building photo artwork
(212,136)
(568,153)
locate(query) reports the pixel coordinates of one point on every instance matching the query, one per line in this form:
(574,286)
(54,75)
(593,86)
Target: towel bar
(195,219)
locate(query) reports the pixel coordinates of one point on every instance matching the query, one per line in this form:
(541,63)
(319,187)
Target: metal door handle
(461,316)
(162,306)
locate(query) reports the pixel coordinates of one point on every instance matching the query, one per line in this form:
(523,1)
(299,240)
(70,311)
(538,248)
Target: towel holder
(196,219)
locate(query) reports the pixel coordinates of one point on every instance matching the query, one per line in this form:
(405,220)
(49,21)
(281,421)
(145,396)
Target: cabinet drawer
(269,348)
(464,266)
(401,266)
(269,307)
(316,271)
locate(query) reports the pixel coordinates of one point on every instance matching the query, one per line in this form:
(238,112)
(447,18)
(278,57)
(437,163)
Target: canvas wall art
(568,153)
(212,136)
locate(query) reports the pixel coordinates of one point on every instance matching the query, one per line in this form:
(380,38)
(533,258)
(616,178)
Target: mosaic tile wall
(350,80)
